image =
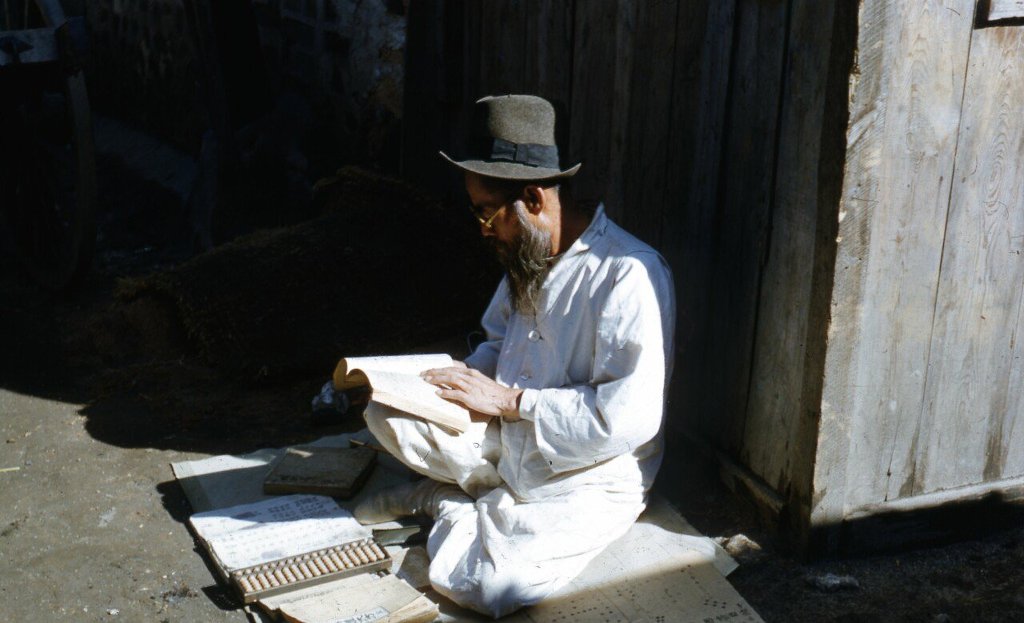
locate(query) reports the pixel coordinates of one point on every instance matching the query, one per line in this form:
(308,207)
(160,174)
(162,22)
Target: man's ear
(535,199)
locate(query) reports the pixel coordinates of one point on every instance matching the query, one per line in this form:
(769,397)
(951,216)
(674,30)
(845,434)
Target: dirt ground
(98,396)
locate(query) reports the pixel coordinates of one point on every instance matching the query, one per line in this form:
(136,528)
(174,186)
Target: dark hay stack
(383,269)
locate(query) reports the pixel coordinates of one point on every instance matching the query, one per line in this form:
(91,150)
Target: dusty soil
(976,575)
(99,394)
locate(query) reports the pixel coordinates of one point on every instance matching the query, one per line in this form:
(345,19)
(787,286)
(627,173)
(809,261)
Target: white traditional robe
(546,494)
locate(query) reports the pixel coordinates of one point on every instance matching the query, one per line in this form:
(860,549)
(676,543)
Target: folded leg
(497,555)
(468,459)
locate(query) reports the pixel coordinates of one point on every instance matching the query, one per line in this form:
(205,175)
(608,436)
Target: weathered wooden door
(924,389)
(972,427)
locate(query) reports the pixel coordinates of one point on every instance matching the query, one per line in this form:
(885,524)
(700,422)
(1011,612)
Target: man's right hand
(475,391)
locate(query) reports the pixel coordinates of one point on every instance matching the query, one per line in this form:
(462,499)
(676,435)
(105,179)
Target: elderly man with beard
(567,392)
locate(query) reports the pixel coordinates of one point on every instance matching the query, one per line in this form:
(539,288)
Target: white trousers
(489,551)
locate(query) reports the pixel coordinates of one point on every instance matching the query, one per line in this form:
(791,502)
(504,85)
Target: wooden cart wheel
(47,164)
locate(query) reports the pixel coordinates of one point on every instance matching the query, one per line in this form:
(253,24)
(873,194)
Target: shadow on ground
(223,351)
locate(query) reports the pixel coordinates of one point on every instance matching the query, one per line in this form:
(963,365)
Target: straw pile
(383,268)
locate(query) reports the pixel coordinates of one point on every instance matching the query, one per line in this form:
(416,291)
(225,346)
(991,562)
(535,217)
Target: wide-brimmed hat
(514,139)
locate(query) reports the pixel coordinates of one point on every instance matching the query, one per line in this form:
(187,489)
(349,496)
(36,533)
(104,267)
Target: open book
(253,534)
(395,381)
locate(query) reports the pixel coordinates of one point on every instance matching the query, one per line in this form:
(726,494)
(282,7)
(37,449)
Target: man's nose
(486,232)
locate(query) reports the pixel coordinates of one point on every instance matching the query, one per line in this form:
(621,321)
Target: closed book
(337,472)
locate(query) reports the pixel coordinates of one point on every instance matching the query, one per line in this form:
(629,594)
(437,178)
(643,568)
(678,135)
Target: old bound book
(395,381)
(337,472)
(383,598)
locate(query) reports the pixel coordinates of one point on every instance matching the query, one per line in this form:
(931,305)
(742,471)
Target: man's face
(521,246)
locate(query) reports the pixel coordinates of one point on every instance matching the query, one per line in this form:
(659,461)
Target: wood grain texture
(424,114)
(471,16)
(602,47)
(502,37)
(776,413)
(700,82)
(548,50)
(972,401)
(745,204)
(644,141)
(901,142)
(626,44)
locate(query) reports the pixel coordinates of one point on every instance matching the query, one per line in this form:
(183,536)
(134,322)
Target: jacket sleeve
(495,323)
(621,408)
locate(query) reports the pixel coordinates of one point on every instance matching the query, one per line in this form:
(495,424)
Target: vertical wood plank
(622,108)
(423,114)
(700,81)
(645,141)
(548,67)
(462,27)
(972,405)
(777,415)
(472,19)
(548,51)
(502,38)
(903,123)
(741,226)
(602,47)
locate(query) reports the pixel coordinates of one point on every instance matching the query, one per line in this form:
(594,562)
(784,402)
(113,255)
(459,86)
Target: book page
(659,571)
(410,393)
(277,509)
(251,534)
(655,572)
(346,375)
(396,382)
(272,603)
(222,481)
(692,594)
(267,542)
(379,600)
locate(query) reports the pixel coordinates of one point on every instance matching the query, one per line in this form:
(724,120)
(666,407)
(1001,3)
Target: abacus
(324,565)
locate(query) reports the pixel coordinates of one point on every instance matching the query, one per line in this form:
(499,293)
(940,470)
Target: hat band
(530,154)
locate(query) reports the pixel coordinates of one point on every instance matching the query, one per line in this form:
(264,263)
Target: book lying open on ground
(395,381)
(253,534)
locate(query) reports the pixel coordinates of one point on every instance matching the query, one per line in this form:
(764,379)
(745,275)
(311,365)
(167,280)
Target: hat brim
(511,170)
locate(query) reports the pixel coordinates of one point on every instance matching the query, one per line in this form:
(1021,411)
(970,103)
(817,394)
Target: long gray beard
(526,262)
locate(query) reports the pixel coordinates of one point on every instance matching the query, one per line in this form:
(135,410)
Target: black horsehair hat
(515,140)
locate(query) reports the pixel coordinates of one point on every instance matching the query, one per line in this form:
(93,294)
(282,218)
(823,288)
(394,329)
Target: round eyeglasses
(488,222)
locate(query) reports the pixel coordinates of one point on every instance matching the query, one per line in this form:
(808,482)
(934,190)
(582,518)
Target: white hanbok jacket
(593,364)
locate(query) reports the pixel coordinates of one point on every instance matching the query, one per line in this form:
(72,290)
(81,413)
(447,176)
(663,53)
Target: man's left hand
(474,390)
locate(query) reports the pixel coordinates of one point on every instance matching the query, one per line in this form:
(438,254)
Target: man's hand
(475,391)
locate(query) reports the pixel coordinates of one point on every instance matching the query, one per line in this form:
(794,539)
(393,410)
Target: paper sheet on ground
(660,571)
(223,481)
